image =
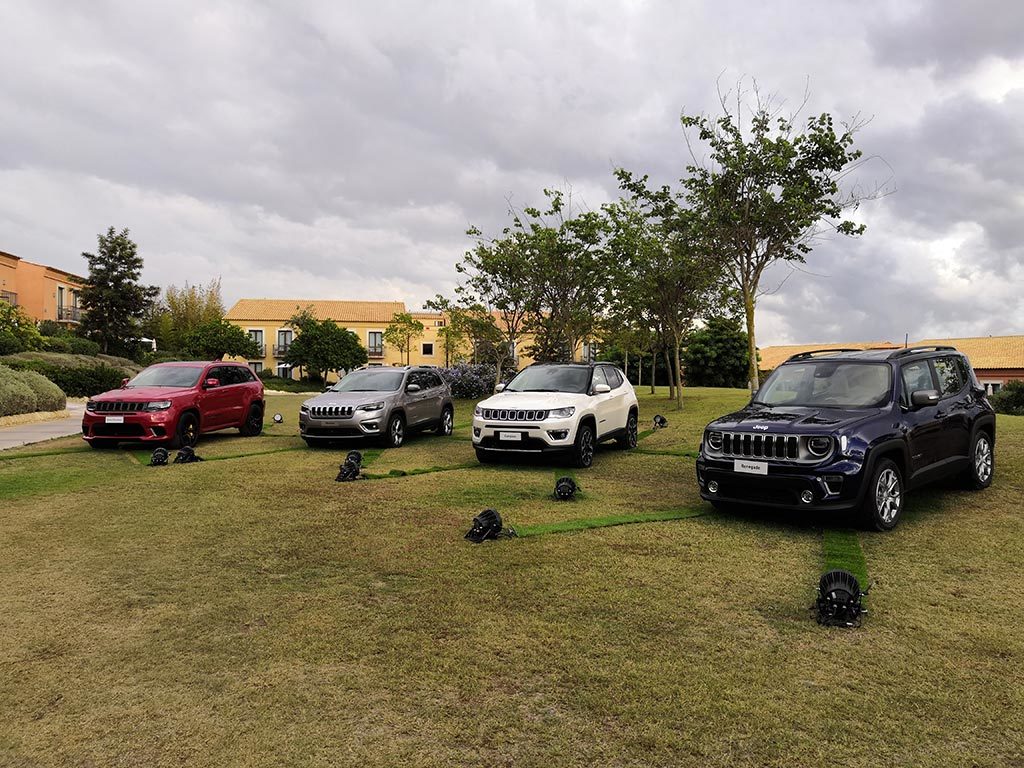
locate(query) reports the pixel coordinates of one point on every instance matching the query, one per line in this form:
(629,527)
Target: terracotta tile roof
(339,311)
(771,357)
(986,351)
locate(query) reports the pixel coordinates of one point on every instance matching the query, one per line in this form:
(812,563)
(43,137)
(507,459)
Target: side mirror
(211,383)
(327,387)
(124,382)
(499,388)
(601,389)
(923,397)
(413,388)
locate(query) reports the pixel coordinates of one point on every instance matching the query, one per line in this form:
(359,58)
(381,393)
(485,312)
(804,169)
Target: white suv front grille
(501,414)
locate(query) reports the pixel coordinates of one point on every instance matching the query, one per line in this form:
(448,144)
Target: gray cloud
(330,150)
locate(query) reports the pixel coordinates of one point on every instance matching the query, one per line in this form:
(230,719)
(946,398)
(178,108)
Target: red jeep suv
(176,402)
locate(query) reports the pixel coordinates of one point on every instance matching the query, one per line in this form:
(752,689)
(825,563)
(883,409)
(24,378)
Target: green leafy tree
(322,347)
(768,190)
(113,299)
(18,332)
(215,339)
(717,355)
(187,308)
(401,332)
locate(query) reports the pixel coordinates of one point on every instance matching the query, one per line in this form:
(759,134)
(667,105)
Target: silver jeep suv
(383,403)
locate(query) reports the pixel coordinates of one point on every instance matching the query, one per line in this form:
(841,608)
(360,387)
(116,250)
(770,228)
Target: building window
(256,334)
(256,366)
(375,343)
(284,340)
(284,371)
(428,349)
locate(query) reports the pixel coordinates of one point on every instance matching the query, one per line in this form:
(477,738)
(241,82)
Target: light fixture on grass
(565,488)
(159,457)
(186,455)
(278,418)
(487,525)
(350,469)
(660,422)
(839,600)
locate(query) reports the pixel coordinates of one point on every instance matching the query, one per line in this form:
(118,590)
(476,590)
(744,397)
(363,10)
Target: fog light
(660,422)
(476,431)
(806,497)
(565,488)
(558,434)
(713,487)
(186,456)
(278,418)
(839,600)
(159,457)
(487,525)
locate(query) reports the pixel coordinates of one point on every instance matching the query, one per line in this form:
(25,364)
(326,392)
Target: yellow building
(266,321)
(42,292)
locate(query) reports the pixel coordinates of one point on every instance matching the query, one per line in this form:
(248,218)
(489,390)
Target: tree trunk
(626,371)
(668,372)
(640,372)
(497,373)
(748,308)
(679,379)
(654,369)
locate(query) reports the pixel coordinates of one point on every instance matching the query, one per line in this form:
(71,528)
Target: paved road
(23,434)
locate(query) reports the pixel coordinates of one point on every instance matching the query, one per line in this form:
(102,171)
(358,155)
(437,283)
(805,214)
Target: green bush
(10,343)
(1009,399)
(52,328)
(55,344)
(76,381)
(49,396)
(267,373)
(80,346)
(15,395)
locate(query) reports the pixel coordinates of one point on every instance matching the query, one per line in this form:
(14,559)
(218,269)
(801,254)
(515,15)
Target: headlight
(715,440)
(90,406)
(478,411)
(561,413)
(819,446)
(158,405)
(844,443)
(371,406)
(303,408)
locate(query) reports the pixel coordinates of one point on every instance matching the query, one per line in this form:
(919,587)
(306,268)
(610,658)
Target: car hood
(348,398)
(143,394)
(541,401)
(791,420)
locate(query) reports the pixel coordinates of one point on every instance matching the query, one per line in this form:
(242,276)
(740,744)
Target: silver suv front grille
(331,411)
(514,415)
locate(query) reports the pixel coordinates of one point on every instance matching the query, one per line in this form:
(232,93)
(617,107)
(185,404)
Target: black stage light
(186,456)
(839,600)
(355,456)
(660,422)
(159,457)
(487,525)
(278,418)
(565,488)
(348,471)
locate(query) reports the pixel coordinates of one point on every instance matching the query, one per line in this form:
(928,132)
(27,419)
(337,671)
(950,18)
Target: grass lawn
(251,611)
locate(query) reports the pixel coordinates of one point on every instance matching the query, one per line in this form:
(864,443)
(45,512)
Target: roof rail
(915,350)
(812,352)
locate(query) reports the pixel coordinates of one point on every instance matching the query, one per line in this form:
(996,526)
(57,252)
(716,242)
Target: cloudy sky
(340,150)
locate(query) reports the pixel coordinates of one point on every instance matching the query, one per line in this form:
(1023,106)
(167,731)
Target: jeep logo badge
(761,426)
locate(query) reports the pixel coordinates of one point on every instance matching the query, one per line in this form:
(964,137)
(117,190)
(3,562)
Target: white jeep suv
(564,408)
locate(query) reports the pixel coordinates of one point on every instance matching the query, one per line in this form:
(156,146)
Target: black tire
(628,441)
(583,449)
(447,423)
(883,498)
(103,445)
(978,475)
(253,421)
(186,432)
(395,435)
(486,457)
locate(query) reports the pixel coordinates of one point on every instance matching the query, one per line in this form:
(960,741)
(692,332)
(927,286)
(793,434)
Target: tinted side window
(217,373)
(434,380)
(614,377)
(599,378)
(916,376)
(951,379)
(417,377)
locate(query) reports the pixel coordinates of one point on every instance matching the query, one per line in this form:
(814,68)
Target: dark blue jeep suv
(842,429)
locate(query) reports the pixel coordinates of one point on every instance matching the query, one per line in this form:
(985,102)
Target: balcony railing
(375,352)
(69,314)
(280,350)
(10,297)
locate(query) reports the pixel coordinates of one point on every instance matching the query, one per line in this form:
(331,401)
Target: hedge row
(75,345)
(28,392)
(75,381)
(1009,399)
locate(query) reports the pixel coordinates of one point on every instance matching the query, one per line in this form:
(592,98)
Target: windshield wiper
(761,402)
(538,390)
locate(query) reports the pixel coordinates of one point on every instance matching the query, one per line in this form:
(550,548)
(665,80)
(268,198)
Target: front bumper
(359,424)
(547,436)
(835,486)
(145,426)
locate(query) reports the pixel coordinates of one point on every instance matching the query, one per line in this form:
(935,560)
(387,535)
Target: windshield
(551,378)
(168,376)
(828,384)
(379,380)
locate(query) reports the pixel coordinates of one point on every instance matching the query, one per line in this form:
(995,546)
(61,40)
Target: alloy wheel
(587,447)
(888,495)
(447,422)
(397,432)
(631,430)
(983,459)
